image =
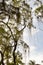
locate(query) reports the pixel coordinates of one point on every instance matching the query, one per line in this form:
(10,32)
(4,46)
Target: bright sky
(35,41)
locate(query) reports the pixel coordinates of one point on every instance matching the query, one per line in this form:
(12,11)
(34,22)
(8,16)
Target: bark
(14,55)
(3,3)
(2,58)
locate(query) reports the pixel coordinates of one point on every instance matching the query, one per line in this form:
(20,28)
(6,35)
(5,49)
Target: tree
(9,30)
(39,14)
(31,62)
(15,16)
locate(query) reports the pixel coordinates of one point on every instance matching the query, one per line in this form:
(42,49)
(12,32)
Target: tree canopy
(15,16)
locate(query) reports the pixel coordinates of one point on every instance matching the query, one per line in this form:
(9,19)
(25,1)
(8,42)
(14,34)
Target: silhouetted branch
(2,58)
(15,41)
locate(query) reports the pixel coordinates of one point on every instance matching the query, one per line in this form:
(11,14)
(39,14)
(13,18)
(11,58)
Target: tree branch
(15,42)
(2,58)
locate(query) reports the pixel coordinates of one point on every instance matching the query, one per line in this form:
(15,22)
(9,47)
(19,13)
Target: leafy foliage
(39,9)
(14,18)
(31,62)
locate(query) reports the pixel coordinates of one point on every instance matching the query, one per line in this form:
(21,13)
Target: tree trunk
(2,58)
(14,54)
(3,3)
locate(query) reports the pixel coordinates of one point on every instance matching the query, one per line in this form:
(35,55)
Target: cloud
(34,31)
(38,57)
(34,55)
(32,48)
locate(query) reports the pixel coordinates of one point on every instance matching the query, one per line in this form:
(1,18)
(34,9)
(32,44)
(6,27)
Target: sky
(35,40)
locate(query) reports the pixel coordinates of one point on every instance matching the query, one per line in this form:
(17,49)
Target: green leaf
(39,9)
(2,31)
